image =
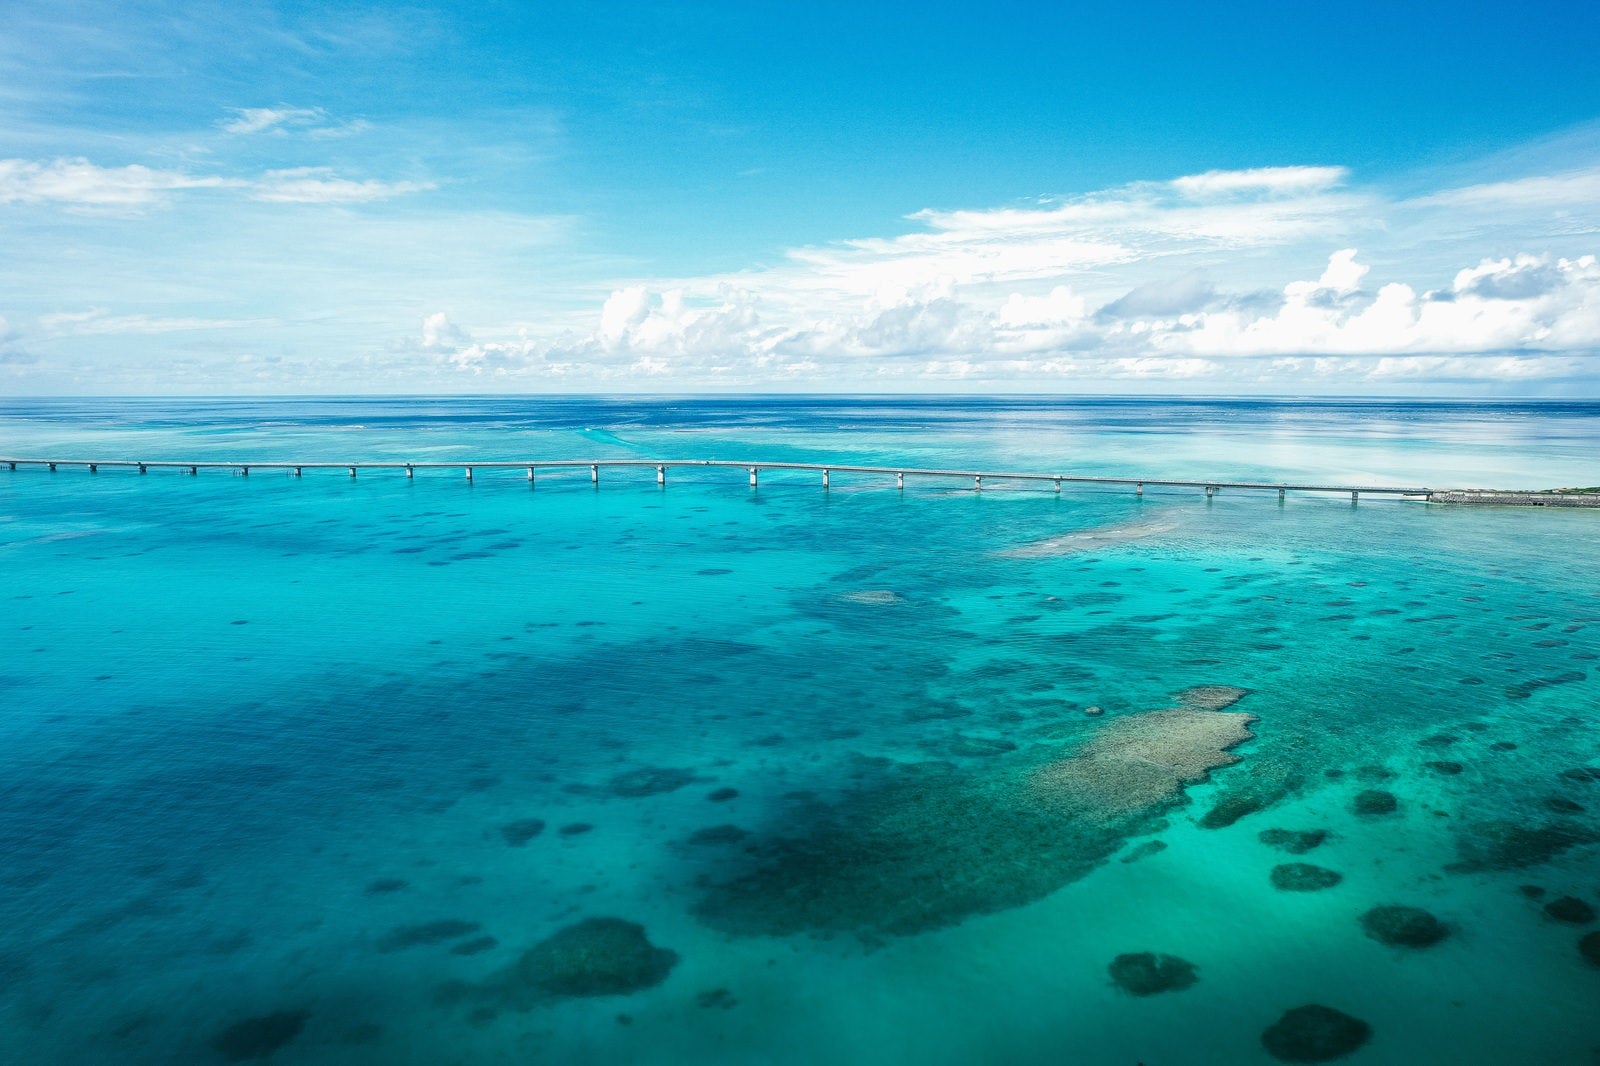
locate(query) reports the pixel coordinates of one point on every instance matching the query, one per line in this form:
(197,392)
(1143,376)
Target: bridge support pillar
(52,468)
(1355,495)
(594,473)
(1138,490)
(899,481)
(469,473)
(977,483)
(1280,495)
(142,469)
(661,475)
(94,468)
(298,472)
(193,471)
(1209,491)
(352,471)
(409,471)
(530,475)
(13,466)
(752,477)
(244,471)
(824,479)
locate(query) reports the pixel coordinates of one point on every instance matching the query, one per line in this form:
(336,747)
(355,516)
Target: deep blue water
(308,769)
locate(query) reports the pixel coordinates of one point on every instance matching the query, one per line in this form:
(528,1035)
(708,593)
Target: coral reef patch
(913,847)
(1374,802)
(1294,841)
(1507,845)
(1146,973)
(411,936)
(521,831)
(1314,1033)
(1304,877)
(256,1038)
(1570,909)
(1404,927)
(593,957)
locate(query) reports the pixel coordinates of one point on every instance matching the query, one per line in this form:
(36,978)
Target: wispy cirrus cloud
(80,183)
(281,121)
(99,320)
(320,185)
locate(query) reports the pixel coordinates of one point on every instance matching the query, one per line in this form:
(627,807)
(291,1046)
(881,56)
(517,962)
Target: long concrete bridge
(661,466)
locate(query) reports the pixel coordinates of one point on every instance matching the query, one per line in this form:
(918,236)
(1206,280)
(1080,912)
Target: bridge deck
(754,466)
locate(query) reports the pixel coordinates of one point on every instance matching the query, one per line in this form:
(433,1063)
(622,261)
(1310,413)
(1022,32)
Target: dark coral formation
(256,1038)
(1372,802)
(1230,807)
(1145,850)
(521,831)
(1294,841)
(1445,767)
(477,945)
(722,795)
(1507,845)
(1212,697)
(1304,877)
(1146,973)
(410,936)
(1403,927)
(978,747)
(596,957)
(718,834)
(912,848)
(1589,948)
(1570,909)
(1314,1033)
(649,781)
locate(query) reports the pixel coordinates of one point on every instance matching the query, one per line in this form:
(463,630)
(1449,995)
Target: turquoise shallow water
(276,749)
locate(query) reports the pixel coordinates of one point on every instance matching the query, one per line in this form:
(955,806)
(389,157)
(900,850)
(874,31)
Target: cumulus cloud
(1521,304)
(439,334)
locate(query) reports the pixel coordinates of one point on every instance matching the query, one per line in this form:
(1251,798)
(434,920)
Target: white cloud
(98,321)
(319,185)
(1492,308)
(1270,181)
(439,334)
(78,181)
(1578,189)
(261,119)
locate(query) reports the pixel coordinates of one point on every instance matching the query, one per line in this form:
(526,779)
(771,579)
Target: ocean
(388,770)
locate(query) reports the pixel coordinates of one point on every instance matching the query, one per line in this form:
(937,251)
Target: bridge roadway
(661,467)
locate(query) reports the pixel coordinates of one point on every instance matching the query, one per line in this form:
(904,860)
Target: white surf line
(661,466)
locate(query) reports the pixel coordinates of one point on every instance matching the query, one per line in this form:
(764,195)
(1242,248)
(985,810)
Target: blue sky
(1164,197)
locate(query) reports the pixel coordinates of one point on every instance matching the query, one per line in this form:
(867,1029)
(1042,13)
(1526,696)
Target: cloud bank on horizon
(249,245)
